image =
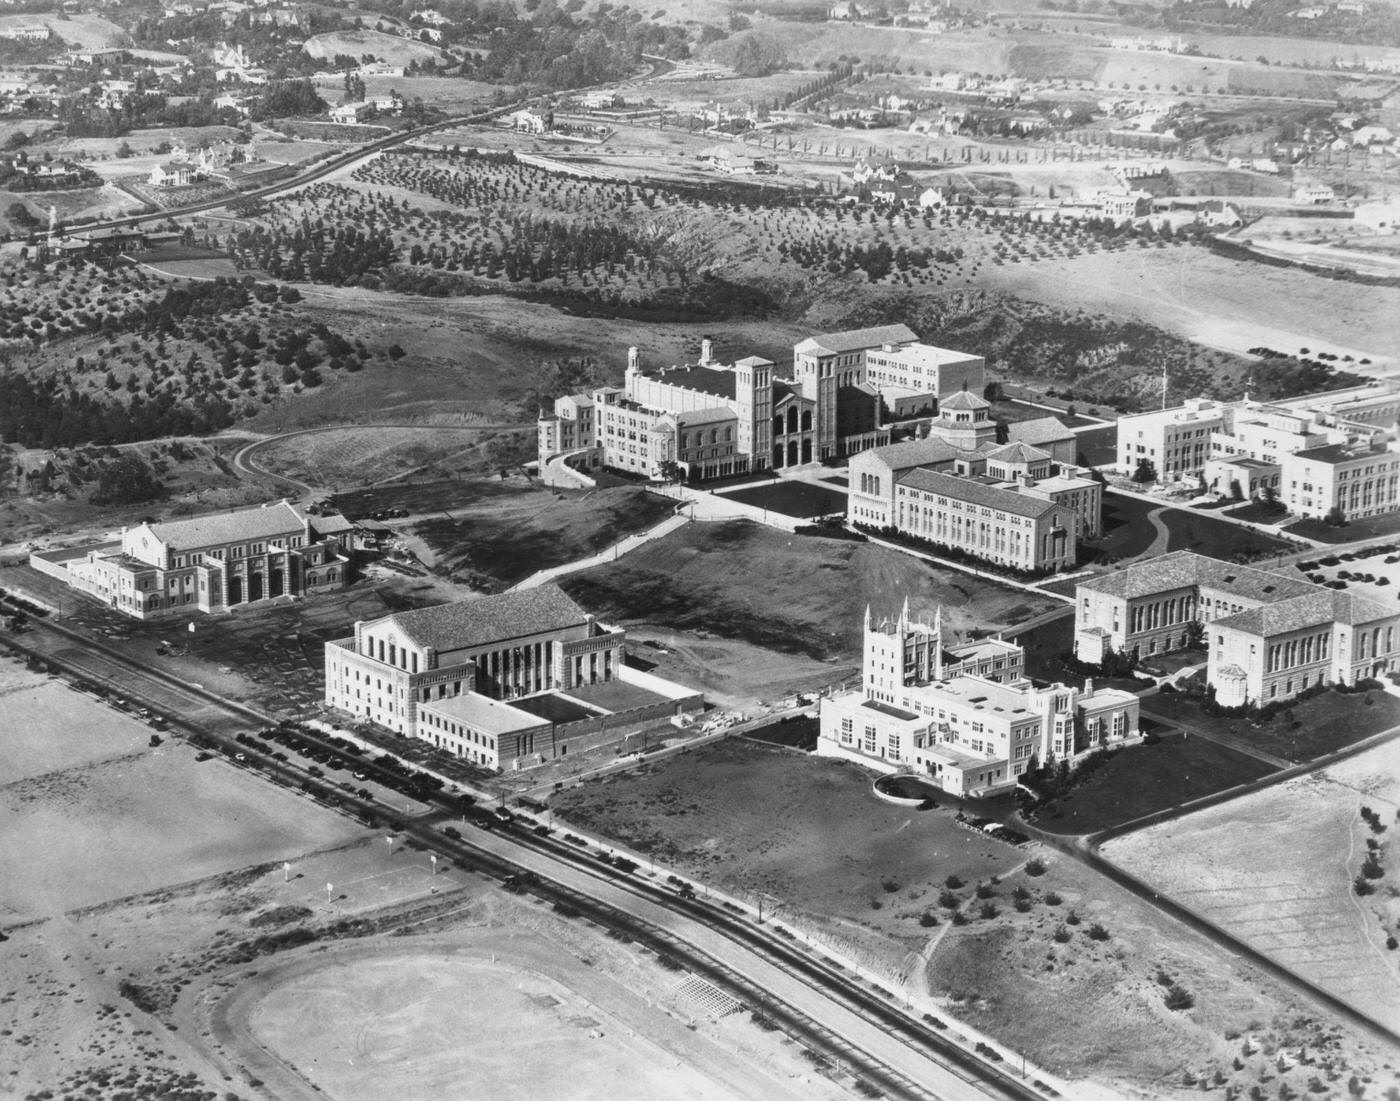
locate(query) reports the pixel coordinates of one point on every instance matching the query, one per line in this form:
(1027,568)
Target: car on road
(240,756)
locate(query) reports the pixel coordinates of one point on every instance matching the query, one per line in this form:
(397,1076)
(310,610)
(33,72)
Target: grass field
(1307,729)
(1130,526)
(1143,779)
(791,498)
(750,818)
(1348,533)
(502,540)
(1287,891)
(792,594)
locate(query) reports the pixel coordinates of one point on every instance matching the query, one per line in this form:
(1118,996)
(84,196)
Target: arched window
(791,420)
(806,420)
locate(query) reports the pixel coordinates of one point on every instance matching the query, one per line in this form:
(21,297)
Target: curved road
(244,463)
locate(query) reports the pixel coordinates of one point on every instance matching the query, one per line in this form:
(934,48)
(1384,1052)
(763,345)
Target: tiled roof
(965,489)
(331,524)
(927,355)
(855,340)
(483,713)
(468,623)
(963,400)
(1040,430)
(1184,569)
(1018,452)
(1310,610)
(264,522)
(910,453)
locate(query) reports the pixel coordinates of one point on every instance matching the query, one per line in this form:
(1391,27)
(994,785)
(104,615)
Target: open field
(76,30)
(1306,729)
(793,594)
(1288,891)
(751,817)
(390,1023)
(370,455)
(386,47)
(866,876)
(502,540)
(132,818)
(1348,532)
(1144,779)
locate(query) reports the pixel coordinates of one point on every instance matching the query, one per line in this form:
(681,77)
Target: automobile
(203,756)
(154,741)
(279,756)
(361,775)
(314,771)
(240,756)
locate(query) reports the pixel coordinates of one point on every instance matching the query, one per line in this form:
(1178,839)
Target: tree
(1146,471)
(1335,517)
(757,55)
(127,481)
(993,392)
(1195,635)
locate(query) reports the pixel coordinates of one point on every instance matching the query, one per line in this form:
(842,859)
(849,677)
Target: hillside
(76,30)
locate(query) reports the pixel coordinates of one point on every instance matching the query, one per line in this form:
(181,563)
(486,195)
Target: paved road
(199,707)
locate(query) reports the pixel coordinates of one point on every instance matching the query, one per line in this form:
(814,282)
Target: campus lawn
(1126,530)
(800,499)
(1217,538)
(1309,729)
(1350,532)
(1144,779)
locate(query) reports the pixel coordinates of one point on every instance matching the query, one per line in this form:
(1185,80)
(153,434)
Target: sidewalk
(611,554)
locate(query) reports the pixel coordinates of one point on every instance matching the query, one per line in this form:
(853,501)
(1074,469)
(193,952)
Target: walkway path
(610,554)
(1228,741)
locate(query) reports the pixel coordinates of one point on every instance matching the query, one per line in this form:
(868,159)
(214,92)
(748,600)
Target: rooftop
(1018,452)
(262,522)
(911,453)
(965,489)
(925,355)
(1185,569)
(963,400)
(977,693)
(1334,454)
(1038,431)
(719,381)
(468,623)
(855,340)
(483,713)
(892,712)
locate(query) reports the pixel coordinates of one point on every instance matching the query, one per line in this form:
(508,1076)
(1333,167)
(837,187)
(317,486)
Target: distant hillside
(76,30)
(387,47)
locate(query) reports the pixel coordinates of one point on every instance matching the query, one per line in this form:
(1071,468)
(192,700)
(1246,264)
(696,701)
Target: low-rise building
(1268,636)
(505,681)
(911,378)
(209,563)
(1176,441)
(964,717)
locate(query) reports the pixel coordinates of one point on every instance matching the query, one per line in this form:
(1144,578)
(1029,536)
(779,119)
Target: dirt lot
(368,456)
(1288,891)
(133,818)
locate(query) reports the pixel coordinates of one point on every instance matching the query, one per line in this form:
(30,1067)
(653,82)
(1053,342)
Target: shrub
(1372,868)
(1052,899)
(948,900)
(1071,918)
(986,890)
(987,910)
(953,883)
(1178,998)
(1061,935)
(1362,886)
(959,918)
(1035,866)
(1020,892)
(928,919)
(1022,905)
(1097,932)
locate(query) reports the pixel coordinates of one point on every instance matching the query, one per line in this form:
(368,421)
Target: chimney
(707,352)
(1088,686)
